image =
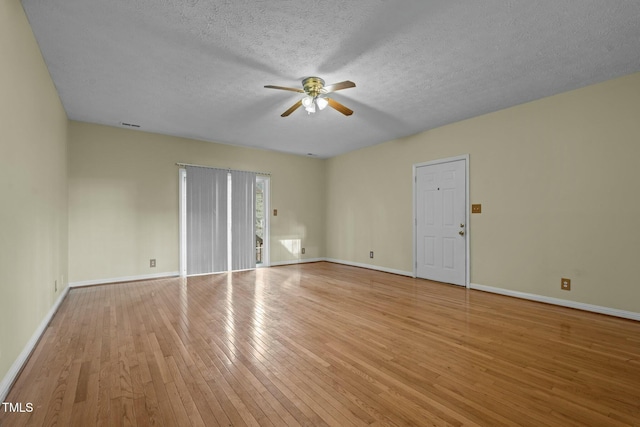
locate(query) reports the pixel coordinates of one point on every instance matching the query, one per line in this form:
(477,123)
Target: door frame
(464,157)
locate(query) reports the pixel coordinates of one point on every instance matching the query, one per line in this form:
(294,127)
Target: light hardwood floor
(325,344)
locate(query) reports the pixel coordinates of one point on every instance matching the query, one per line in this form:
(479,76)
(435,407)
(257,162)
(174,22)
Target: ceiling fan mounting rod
(313,86)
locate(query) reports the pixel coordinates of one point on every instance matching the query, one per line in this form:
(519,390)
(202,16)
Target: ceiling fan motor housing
(313,86)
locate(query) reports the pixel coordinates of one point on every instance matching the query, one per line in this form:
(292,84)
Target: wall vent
(131,125)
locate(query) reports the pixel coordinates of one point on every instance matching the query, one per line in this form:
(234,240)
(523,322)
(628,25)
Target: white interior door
(441,229)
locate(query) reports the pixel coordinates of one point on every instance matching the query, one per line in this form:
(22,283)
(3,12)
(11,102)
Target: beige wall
(558,180)
(123,199)
(33,186)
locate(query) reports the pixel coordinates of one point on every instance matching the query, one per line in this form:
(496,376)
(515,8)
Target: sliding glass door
(223,221)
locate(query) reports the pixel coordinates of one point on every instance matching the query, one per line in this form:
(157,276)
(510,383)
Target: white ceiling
(196,68)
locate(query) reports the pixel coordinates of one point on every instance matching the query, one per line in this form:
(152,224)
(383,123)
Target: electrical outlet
(477,208)
(371,254)
(302,251)
(152,263)
(565,284)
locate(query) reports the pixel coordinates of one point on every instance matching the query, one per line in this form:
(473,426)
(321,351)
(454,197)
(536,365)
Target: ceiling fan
(316,98)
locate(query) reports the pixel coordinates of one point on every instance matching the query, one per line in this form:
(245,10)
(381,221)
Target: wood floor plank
(148,410)
(325,345)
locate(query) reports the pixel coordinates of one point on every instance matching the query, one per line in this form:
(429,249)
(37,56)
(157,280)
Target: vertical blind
(243,223)
(207,220)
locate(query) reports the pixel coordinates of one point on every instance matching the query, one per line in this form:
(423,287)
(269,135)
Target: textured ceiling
(197,68)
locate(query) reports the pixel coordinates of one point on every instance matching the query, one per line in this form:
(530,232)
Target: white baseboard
(123,279)
(557,301)
(14,370)
(339,261)
(296,261)
(371,267)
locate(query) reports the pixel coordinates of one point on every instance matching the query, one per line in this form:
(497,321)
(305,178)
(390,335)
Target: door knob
(461,233)
(461,225)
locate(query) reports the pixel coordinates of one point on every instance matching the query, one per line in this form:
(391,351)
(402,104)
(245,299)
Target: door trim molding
(464,157)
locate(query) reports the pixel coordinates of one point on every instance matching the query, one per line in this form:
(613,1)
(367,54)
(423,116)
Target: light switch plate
(477,208)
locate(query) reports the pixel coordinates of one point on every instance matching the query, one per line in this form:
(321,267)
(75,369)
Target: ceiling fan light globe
(307,101)
(322,103)
(311,108)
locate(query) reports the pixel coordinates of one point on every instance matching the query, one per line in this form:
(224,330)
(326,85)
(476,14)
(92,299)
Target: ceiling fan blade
(336,105)
(338,86)
(292,89)
(293,108)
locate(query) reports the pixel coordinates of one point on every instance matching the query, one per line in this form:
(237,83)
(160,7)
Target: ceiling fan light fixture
(307,101)
(321,102)
(311,108)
